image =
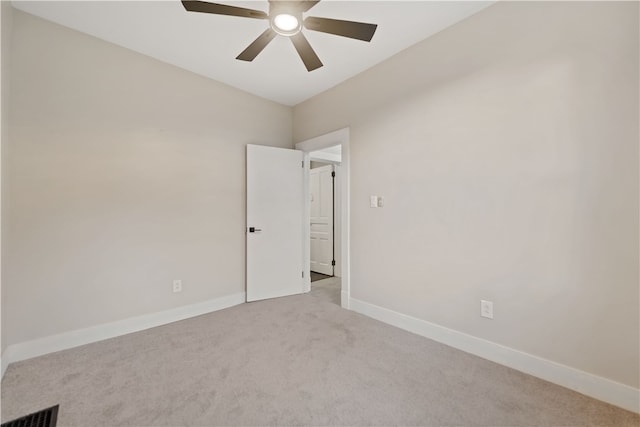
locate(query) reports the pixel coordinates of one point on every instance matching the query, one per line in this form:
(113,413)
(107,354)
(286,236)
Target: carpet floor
(318,276)
(299,360)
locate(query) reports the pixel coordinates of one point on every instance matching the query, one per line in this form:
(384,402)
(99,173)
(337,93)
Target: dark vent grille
(45,418)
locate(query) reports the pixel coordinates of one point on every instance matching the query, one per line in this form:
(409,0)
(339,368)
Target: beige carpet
(299,360)
(318,276)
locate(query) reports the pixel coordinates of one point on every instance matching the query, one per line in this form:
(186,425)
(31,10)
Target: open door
(322,215)
(275,208)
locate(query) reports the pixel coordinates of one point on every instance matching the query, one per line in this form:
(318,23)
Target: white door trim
(331,139)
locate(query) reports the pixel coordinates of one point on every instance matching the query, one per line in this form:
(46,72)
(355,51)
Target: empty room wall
(506,148)
(126,173)
(6,18)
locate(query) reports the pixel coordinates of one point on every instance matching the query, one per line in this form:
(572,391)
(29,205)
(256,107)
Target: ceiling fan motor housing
(285,19)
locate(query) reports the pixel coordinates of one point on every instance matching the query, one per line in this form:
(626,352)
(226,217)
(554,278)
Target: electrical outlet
(486,309)
(177,285)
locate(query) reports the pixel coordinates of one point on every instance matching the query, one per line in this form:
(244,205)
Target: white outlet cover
(486,309)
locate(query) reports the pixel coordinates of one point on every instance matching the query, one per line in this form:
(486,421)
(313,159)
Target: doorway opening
(326,249)
(323,207)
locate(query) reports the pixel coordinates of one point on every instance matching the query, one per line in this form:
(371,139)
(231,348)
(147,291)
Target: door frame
(338,137)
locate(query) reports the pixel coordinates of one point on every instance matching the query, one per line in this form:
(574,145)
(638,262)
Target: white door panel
(321,227)
(275,203)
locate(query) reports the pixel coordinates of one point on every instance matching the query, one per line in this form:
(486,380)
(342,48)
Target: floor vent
(45,418)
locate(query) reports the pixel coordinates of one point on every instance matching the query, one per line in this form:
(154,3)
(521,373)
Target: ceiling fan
(285,18)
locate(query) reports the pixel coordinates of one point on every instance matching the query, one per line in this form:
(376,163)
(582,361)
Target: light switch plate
(373,201)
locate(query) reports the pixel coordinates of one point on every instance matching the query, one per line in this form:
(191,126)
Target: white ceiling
(208,44)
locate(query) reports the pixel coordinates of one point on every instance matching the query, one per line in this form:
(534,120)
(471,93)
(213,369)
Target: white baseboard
(344,299)
(66,340)
(591,385)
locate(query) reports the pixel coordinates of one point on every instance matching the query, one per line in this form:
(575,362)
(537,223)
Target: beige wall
(506,148)
(6,19)
(315,164)
(126,173)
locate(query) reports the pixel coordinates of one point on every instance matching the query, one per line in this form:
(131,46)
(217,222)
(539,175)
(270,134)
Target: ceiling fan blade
(250,53)
(351,29)
(305,5)
(306,52)
(223,9)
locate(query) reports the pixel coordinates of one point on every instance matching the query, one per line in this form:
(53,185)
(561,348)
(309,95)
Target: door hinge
(333,174)
(303,274)
(333,262)
(303,164)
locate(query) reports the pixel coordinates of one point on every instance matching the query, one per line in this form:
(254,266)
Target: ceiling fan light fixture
(285,19)
(286,24)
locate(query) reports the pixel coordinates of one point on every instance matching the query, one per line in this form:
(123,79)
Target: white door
(321,190)
(275,204)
